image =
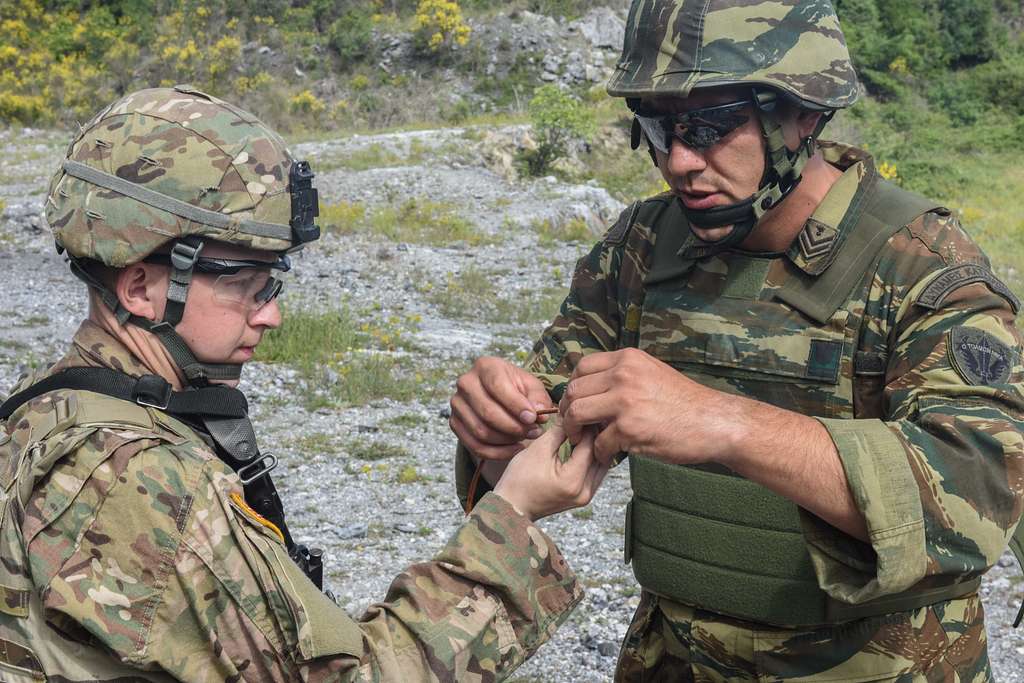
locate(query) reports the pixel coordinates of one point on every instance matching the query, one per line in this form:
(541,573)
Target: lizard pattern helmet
(177,166)
(791,48)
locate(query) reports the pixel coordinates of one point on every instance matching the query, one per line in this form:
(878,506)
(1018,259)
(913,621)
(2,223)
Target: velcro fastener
(617,233)
(868,363)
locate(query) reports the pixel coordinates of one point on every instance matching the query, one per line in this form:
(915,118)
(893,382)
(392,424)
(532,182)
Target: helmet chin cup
(740,215)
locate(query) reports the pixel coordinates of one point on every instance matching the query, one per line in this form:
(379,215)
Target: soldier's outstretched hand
(495,407)
(537,483)
(641,405)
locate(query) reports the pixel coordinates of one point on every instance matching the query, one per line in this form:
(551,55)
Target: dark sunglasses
(700,129)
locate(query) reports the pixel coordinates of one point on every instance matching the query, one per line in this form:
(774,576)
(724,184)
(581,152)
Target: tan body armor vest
(32,646)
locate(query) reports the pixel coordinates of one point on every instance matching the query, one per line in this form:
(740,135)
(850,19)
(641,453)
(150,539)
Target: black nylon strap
(148,390)
(222,411)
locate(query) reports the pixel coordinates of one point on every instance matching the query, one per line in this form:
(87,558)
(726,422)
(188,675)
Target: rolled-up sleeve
(940,478)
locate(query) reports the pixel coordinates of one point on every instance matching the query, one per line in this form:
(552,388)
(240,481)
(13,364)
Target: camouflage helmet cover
(192,149)
(672,47)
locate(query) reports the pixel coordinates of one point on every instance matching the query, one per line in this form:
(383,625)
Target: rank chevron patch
(816,239)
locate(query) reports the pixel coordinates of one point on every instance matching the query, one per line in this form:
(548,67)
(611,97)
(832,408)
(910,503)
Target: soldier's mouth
(700,200)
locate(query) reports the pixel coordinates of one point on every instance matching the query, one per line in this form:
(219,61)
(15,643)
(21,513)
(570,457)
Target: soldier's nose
(683,159)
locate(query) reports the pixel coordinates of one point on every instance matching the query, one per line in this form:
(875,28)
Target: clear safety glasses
(700,129)
(249,283)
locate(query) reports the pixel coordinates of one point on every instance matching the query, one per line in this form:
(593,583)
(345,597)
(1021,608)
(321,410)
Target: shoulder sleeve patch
(955,277)
(978,357)
(617,233)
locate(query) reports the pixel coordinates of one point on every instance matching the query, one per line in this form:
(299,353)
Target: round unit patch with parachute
(979,357)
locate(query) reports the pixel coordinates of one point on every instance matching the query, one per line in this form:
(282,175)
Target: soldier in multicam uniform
(141,536)
(816,373)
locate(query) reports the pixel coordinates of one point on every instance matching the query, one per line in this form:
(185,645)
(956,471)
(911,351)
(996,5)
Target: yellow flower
(888,171)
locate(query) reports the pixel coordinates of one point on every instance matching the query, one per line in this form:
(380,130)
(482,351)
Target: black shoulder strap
(148,390)
(222,411)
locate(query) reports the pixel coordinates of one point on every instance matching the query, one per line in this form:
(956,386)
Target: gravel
(370,526)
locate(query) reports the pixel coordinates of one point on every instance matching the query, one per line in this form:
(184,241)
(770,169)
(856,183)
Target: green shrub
(351,35)
(558,119)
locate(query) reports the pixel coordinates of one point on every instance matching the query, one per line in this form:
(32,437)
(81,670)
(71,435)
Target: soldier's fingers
(508,408)
(480,448)
(608,444)
(480,427)
(587,385)
(544,449)
(535,392)
(597,362)
(475,388)
(581,462)
(595,475)
(589,410)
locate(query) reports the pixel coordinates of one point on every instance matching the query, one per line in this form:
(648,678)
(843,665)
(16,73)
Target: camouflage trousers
(667,641)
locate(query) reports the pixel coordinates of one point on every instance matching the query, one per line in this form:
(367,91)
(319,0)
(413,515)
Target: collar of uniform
(818,243)
(94,347)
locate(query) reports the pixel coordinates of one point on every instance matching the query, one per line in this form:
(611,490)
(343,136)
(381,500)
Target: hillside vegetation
(944,78)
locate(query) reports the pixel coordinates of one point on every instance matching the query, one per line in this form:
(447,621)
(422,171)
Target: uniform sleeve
(176,573)
(939,478)
(588,321)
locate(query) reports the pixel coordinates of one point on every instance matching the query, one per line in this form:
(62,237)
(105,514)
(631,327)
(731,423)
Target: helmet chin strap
(184,255)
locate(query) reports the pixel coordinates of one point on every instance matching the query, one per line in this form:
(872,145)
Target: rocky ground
(371,524)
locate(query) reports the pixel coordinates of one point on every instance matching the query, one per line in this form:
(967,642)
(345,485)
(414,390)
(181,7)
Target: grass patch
(34,321)
(535,307)
(344,359)
(360,379)
(371,451)
(473,294)
(308,337)
(406,421)
(583,513)
(317,442)
(574,229)
(416,220)
(973,169)
(375,155)
(408,475)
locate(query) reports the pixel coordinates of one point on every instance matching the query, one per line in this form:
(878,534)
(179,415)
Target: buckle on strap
(260,466)
(152,391)
(184,255)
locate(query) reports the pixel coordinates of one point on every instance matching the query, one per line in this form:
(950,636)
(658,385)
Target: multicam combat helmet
(790,47)
(176,166)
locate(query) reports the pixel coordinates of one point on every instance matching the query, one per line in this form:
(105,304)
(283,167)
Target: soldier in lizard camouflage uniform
(141,536)
(815,373)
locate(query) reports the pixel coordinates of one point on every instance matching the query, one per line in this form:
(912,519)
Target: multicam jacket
(129,554)
(915,370)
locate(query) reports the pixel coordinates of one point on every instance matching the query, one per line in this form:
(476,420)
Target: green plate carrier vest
(700,535)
